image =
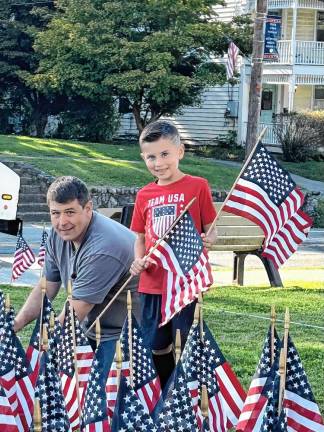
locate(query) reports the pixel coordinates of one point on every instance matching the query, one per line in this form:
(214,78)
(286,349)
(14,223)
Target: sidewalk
(307,264)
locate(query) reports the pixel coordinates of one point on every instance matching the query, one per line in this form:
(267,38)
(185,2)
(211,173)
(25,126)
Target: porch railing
(287,4)
(269,137)
(306,52)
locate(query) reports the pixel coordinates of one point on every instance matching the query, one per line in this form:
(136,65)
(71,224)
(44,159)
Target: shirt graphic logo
(163,217)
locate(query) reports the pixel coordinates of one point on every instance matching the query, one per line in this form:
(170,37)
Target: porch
(299,53)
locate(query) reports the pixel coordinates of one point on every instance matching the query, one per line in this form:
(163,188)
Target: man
(92,251)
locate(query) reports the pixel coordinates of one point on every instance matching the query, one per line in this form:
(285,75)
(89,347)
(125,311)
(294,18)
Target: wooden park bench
(235,234)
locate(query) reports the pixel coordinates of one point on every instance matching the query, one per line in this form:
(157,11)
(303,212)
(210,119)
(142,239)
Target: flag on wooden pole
(23,258)
(42,248)
(232,55)
(184,257)
(266,194)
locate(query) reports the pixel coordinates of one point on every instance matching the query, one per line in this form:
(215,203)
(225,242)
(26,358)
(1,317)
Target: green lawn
(311,169)
(103,164)
(238,320)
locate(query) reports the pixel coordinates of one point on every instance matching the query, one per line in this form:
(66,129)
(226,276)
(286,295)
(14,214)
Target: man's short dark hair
(160,129)
(68,188)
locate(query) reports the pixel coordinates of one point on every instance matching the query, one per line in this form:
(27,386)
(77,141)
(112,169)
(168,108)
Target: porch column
(291,93)
(293,33)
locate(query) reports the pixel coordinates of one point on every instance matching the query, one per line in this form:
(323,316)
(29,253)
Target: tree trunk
(138,119)
(256,77)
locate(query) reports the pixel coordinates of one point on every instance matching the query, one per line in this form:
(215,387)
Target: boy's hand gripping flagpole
(146,256)
(237,178)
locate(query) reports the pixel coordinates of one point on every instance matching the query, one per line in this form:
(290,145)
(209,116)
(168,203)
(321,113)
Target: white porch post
(291,93)
(293,34)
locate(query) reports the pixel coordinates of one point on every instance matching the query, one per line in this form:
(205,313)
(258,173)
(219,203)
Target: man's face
(70,220)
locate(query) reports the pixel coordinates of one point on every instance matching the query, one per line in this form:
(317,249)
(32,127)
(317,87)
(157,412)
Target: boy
(157,206)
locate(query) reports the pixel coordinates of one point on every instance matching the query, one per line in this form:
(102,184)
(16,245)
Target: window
(319,92)
(266,101)
(320,27)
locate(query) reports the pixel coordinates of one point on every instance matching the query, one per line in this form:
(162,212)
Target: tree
(19,24)
(155,55)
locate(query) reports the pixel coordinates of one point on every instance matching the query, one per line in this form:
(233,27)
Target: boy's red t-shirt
(156,207)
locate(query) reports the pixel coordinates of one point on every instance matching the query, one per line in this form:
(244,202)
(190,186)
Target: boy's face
(162,159)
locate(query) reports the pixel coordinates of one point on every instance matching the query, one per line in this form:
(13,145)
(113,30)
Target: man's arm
(32,306)
(81,309)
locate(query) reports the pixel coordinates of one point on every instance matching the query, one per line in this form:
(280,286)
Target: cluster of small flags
(24,257)
(79,389)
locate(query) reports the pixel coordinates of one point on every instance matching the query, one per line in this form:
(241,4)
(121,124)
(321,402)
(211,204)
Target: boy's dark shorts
(159,338)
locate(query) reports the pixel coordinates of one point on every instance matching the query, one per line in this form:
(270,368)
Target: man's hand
(141,264)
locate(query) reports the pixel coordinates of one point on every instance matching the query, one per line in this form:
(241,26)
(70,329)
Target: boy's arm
(209,240)
(140,264)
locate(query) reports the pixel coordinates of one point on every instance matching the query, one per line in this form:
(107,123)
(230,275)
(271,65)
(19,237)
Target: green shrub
(300,135)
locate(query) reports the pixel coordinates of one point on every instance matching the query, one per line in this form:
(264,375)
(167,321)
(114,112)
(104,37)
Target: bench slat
(243,240)
(238,231)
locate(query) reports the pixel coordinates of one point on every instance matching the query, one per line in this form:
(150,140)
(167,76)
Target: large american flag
(16,376)
(42,248)
(95,411)
(7,419)
(48,390)
(200,369)
(188,271)
(84,356)
(232,55)
(130,415)
(266,194)
(302,410)
(24,257)
(254,403)
(146,382)
(177,413)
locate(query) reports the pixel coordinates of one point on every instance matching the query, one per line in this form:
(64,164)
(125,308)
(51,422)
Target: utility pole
(256,76)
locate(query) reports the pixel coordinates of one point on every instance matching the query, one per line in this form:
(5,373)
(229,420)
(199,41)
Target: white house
(293,78)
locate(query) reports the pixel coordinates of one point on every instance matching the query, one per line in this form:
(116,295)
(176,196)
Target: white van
(9,195)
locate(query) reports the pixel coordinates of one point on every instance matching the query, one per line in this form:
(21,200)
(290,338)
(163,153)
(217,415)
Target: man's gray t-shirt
(98,268)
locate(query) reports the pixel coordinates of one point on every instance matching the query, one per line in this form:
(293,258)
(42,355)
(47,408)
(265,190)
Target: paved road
(310,255)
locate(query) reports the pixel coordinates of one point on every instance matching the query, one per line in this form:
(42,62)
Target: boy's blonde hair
(160,129)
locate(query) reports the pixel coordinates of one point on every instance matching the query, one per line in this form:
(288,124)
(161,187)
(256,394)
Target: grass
(238,318)
(313,170)
(103,164)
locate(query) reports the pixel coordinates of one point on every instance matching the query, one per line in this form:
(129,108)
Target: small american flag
(146,382)
(301,408)
(182,254)
(7,419)
(95,413)
(130,415)
(200,368)
(48,390)
(231,65)
(54,335)
(266,194)
(24,257)
(42,248)
(163,217)
(84,356)
(16,376)
(271,413)
(2,310)
(254,402)
(177,413)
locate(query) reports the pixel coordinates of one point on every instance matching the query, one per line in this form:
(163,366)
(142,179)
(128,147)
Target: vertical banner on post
(272,35)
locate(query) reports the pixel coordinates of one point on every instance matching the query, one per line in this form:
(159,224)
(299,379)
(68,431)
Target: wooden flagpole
(282,372)
(204,401)
(98,332)
(273,321)
(146,256)
(178,346)
(196,314)
(237,178)
(284,357)
(43,292)
(130,336)
(37,417)
(45,338)
(7,303)
(75,359)
(52,322)
(119,363)
(201,317)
